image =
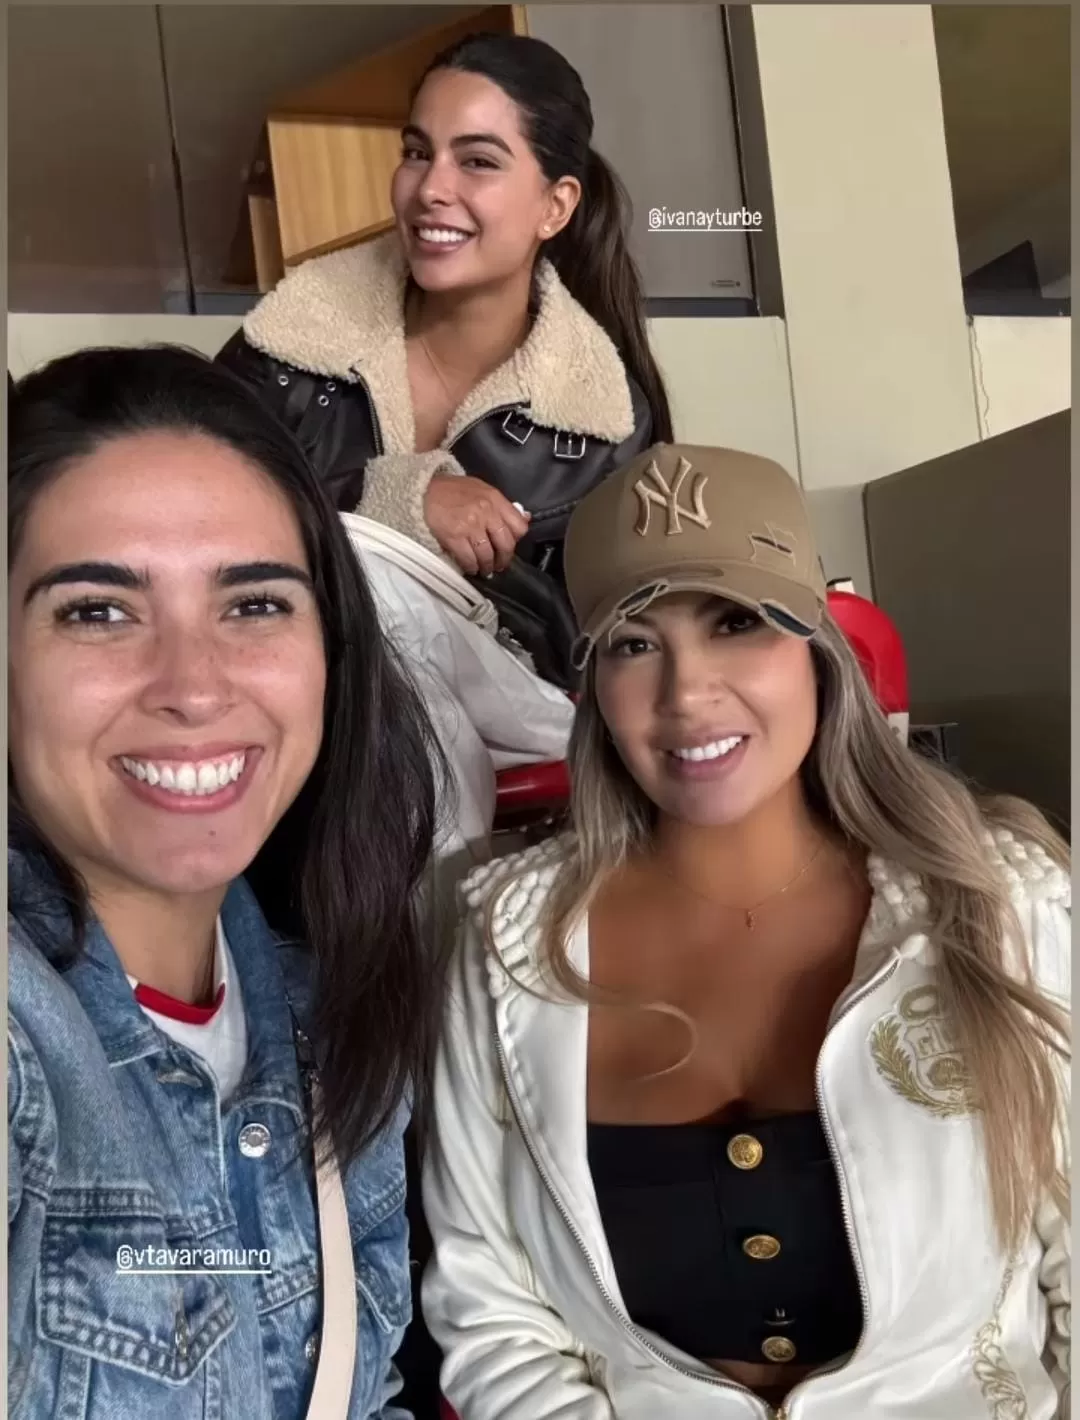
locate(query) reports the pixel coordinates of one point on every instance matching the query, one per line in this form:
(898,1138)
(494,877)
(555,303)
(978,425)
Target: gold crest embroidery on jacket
(915,1053)
(998,1381)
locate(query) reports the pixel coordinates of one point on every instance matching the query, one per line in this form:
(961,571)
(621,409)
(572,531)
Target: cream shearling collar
(341,316)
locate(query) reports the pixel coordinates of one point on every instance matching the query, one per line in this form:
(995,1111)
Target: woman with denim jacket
(199,693)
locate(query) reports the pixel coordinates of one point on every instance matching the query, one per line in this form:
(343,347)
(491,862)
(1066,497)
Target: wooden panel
(331,181)
(380,86)
(266,240)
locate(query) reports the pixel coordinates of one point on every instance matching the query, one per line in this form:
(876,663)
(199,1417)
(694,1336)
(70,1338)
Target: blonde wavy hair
(885,799)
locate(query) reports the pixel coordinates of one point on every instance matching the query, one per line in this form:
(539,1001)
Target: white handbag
(421,563)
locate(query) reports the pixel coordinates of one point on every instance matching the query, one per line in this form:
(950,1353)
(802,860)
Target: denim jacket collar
(98,979)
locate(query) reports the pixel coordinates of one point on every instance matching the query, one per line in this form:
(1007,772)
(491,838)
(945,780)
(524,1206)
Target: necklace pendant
(749,921)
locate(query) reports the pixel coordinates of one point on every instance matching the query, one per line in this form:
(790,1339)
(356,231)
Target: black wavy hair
(341,870)
(591,253)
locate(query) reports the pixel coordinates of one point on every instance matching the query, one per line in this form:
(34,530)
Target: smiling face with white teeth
(166,663)
(471,202)
(711,710)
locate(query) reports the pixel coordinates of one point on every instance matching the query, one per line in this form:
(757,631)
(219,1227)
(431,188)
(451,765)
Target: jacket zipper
(784,1412)
(376,432)
(499,409)
(572,1228)
(876,981)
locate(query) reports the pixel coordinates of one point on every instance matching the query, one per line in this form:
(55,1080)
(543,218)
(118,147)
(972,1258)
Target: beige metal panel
(32,339)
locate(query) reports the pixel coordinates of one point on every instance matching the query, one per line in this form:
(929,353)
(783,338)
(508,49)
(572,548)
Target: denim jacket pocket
(386,1290)
(380,1234)
(383,1279)
(104,1291)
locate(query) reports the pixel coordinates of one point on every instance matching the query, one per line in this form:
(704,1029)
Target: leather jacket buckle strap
(518,426)
(569,446)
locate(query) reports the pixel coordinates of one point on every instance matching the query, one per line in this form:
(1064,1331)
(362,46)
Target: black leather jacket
(324,393)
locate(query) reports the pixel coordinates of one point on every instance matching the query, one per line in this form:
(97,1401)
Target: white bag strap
(420,563)
(337,1344)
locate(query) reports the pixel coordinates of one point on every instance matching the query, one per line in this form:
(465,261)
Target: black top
(730,1263)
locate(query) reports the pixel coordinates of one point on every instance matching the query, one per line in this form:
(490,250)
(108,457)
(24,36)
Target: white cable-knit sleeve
(507,1355)
(1051,941)
(1055,1234)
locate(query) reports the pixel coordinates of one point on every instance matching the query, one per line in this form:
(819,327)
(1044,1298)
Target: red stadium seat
(876,642)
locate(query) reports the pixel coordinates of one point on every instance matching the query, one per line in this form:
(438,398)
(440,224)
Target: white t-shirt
(218,1032)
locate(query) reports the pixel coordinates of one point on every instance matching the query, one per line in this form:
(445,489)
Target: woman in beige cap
(750,1101)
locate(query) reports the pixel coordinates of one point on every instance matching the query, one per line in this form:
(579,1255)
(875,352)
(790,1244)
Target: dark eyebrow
(463,140)
(114,574)
(102,574)
(242,574)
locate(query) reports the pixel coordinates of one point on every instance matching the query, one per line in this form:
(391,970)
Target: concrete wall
(1022,367)
(873,303)
(730,383)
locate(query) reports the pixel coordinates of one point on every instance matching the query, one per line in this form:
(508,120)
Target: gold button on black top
(744,1151)
(761,1247)
(778,1349)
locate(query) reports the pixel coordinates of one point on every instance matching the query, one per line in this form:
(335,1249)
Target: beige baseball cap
(681,517)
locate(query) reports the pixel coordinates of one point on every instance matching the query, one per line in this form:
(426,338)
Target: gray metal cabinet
(661,94)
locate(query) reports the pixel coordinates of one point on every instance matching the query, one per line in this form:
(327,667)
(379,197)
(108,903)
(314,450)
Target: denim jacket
(117,1140)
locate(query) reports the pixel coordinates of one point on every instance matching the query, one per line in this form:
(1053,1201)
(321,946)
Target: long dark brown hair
(590,253)
(341,869)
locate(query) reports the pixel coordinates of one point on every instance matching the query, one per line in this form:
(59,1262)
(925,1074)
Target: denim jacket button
(254,1141)
(311,1347)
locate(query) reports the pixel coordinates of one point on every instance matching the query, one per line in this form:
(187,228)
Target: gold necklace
(749,913)
(438,373)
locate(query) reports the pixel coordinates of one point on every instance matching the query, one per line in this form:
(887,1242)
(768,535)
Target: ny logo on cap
(668,498)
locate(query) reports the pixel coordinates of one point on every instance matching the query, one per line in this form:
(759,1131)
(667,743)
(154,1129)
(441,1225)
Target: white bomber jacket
(522,1295)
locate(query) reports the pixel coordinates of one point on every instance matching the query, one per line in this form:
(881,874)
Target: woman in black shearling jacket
(489,352)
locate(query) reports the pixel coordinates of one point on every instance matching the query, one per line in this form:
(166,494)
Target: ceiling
(1006,102)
